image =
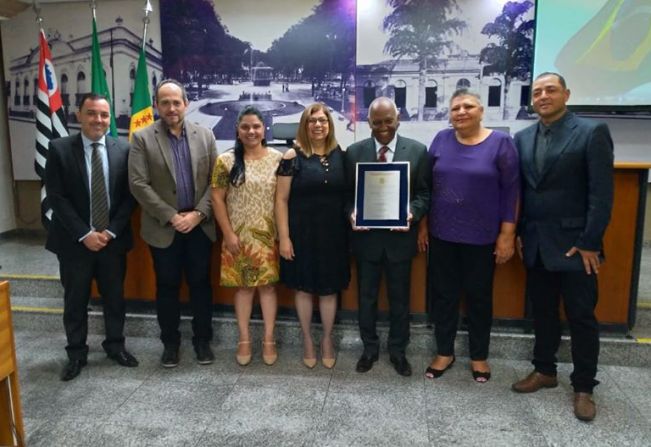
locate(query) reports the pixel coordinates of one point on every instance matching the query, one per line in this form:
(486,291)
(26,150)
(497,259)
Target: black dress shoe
(123,358)
(170,357)
(204,354)
(365,363)
(72,369)
(401,365)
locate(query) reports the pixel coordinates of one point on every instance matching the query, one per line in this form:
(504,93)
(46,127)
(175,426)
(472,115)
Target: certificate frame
(401,168)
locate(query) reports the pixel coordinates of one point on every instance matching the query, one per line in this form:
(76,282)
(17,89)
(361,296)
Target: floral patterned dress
(251,212)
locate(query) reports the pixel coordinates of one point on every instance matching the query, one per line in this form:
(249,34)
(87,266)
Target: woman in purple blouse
(475,192)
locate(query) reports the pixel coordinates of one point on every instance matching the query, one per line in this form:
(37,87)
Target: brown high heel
(245,359)
(269,359)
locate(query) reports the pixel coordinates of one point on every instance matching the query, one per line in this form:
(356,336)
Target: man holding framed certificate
(389,180)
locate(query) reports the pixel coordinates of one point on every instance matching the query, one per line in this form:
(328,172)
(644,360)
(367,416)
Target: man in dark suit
(390,252)
(169,174)
(86,183)
(567,171)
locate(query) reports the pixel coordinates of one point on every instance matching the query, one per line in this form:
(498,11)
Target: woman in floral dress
(244,184)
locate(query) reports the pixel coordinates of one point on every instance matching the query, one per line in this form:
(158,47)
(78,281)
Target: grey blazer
(152,179)
(569,203)
(398,246)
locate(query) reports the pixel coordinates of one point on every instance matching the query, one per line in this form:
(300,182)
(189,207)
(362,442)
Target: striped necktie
(382,154)
(99,204)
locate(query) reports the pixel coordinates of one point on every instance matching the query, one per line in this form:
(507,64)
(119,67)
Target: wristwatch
(201,215)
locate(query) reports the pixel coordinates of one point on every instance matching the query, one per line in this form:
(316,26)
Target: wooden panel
(614,277)
(10,409)
(619,245)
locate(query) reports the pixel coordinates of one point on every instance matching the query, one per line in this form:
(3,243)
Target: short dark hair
(173,82)
(561,79)
(92,97)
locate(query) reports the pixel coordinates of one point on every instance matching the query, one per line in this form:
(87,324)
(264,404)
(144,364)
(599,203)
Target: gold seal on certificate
(382,195)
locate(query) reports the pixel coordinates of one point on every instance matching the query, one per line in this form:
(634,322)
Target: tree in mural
(511,55)
(320,46)
(200,48)
(422,30)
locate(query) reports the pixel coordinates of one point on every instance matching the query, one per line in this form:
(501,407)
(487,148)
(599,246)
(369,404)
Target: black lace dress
(318,227)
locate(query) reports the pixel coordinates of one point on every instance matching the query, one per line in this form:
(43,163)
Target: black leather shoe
(170,357)
(204,354)
(365,363)
(401,365)
(123,358)
(72,369)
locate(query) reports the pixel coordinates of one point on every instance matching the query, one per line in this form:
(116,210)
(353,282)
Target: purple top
(474,188)
(183,171)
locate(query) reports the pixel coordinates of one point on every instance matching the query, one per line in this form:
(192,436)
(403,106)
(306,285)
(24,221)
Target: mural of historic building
(119,48)
(399,80)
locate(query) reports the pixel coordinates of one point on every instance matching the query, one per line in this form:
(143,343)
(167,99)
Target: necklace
(323,159)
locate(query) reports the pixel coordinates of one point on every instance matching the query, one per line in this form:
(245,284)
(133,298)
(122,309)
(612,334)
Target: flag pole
(36,6)
(145,22)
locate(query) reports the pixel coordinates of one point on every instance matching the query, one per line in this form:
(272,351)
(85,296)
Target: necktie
(541,149)
(99,204)
(382,154)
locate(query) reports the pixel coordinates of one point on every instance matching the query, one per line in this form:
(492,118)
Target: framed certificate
(382,195)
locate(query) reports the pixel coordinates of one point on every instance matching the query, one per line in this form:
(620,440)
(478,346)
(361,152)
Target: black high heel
(481,376)
(433,373)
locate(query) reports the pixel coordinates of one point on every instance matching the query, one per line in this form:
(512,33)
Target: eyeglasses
(323,121)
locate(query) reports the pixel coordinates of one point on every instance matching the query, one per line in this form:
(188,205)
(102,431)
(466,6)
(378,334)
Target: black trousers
(579,292)
(108,268)
(398,278)
(188,254)
(457,268)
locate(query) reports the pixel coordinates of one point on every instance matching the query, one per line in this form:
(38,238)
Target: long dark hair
(237,175)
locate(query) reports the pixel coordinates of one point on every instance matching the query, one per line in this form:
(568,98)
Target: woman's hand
(287,249)
(504,247)
(232,243)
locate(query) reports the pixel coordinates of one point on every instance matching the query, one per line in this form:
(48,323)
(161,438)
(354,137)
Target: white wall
(7,218)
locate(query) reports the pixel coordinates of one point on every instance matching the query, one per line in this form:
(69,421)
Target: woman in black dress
(312,227)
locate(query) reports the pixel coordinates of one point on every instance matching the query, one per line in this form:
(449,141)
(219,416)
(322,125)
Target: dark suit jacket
(152,179)
(569,203)
(398,246)
(66,183)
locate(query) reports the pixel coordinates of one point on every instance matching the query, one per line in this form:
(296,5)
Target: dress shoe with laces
(401,365)
(205,355)
(72,369)
(365,363)
(123,358)
(533,382)
(170,357)
(584,407)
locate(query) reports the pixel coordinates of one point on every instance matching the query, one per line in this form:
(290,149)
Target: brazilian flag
(142,113)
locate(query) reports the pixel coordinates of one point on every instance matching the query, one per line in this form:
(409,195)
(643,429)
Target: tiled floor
(286,404)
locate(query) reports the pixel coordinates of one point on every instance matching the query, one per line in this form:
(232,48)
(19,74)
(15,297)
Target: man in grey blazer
(86,183)
(169,173)
(379,251)
(567,173)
